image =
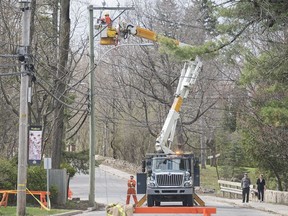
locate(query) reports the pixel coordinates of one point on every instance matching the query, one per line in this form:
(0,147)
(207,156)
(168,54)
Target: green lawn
(209,180)
(30,211)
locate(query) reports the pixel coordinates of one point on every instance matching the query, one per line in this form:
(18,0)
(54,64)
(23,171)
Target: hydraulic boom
(188,77)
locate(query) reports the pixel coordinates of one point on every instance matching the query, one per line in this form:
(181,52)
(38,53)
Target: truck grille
(169,180)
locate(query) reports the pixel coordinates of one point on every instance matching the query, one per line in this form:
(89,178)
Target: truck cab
(169,178)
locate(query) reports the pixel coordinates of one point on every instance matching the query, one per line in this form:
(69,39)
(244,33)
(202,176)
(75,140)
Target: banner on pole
(35,145)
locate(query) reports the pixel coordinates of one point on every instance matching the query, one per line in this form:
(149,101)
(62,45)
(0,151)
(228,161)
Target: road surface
(110,187)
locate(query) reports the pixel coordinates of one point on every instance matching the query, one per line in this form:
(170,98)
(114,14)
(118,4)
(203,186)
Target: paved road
(223,209)
(110,187)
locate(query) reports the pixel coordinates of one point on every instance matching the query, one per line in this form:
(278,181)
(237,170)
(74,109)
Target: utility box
(59,179)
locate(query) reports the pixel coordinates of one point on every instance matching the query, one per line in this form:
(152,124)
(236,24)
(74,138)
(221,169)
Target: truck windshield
(169,164)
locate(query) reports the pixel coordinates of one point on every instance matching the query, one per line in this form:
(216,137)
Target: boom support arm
(187,79)
(144,33)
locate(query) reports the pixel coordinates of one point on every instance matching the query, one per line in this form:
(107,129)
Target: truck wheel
(189,200)
(157,203)
(150,201)
(184,202)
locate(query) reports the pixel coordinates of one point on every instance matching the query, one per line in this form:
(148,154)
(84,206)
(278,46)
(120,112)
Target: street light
(92,140)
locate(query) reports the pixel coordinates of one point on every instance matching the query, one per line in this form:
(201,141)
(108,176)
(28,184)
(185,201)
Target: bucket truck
(171,176)
(167,176)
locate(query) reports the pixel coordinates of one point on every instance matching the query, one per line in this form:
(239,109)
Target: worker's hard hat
(105,13)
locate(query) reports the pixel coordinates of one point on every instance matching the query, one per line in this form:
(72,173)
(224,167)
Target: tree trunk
(59,129)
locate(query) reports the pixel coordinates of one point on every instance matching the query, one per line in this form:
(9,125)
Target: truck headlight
(151,181)
(187,176)
(188,183)
(151,184)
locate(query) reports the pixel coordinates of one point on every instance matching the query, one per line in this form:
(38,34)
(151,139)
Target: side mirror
(143,166)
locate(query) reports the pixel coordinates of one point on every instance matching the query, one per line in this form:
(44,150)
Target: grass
(209,179)
(30,211)
(70,206)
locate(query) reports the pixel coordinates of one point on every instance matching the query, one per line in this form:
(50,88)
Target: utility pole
(23,110)
(92,127)
(92,134)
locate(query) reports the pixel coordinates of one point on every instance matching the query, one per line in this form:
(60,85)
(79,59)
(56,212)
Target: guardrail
(233,189)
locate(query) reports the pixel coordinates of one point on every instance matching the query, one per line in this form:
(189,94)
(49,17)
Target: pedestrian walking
(261,187)
(131,190)
(245,185)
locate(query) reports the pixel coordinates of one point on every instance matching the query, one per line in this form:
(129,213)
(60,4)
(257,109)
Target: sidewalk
(268,207)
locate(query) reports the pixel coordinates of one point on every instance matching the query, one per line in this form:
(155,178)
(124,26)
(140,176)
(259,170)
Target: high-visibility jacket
(115,210)
(131,183)
(119,210)
(107,20)
(131,187)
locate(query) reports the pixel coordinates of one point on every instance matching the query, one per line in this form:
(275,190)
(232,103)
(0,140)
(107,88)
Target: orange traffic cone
(70,194)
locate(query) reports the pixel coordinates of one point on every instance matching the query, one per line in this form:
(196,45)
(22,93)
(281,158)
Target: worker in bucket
(131,190)
(106,19)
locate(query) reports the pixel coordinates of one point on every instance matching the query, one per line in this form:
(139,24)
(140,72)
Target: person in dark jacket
(245,185)
(261,188)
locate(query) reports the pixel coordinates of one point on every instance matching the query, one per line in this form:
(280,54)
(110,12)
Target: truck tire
(150,200)
(189,200)
(184,202)
(157,203)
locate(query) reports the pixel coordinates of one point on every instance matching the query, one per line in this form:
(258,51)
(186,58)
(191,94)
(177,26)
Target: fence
(233,190)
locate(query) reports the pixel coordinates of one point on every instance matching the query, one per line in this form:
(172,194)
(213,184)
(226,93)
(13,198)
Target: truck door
(141,183)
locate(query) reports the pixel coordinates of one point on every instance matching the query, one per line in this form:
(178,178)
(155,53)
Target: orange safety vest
(131,183)
(107,20)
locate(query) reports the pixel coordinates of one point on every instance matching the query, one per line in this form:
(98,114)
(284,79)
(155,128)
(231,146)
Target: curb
(74,212)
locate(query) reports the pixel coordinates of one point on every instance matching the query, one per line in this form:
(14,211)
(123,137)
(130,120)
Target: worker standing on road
(131,190)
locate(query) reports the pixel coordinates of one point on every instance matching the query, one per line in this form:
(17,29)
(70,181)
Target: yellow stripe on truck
(177,104)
